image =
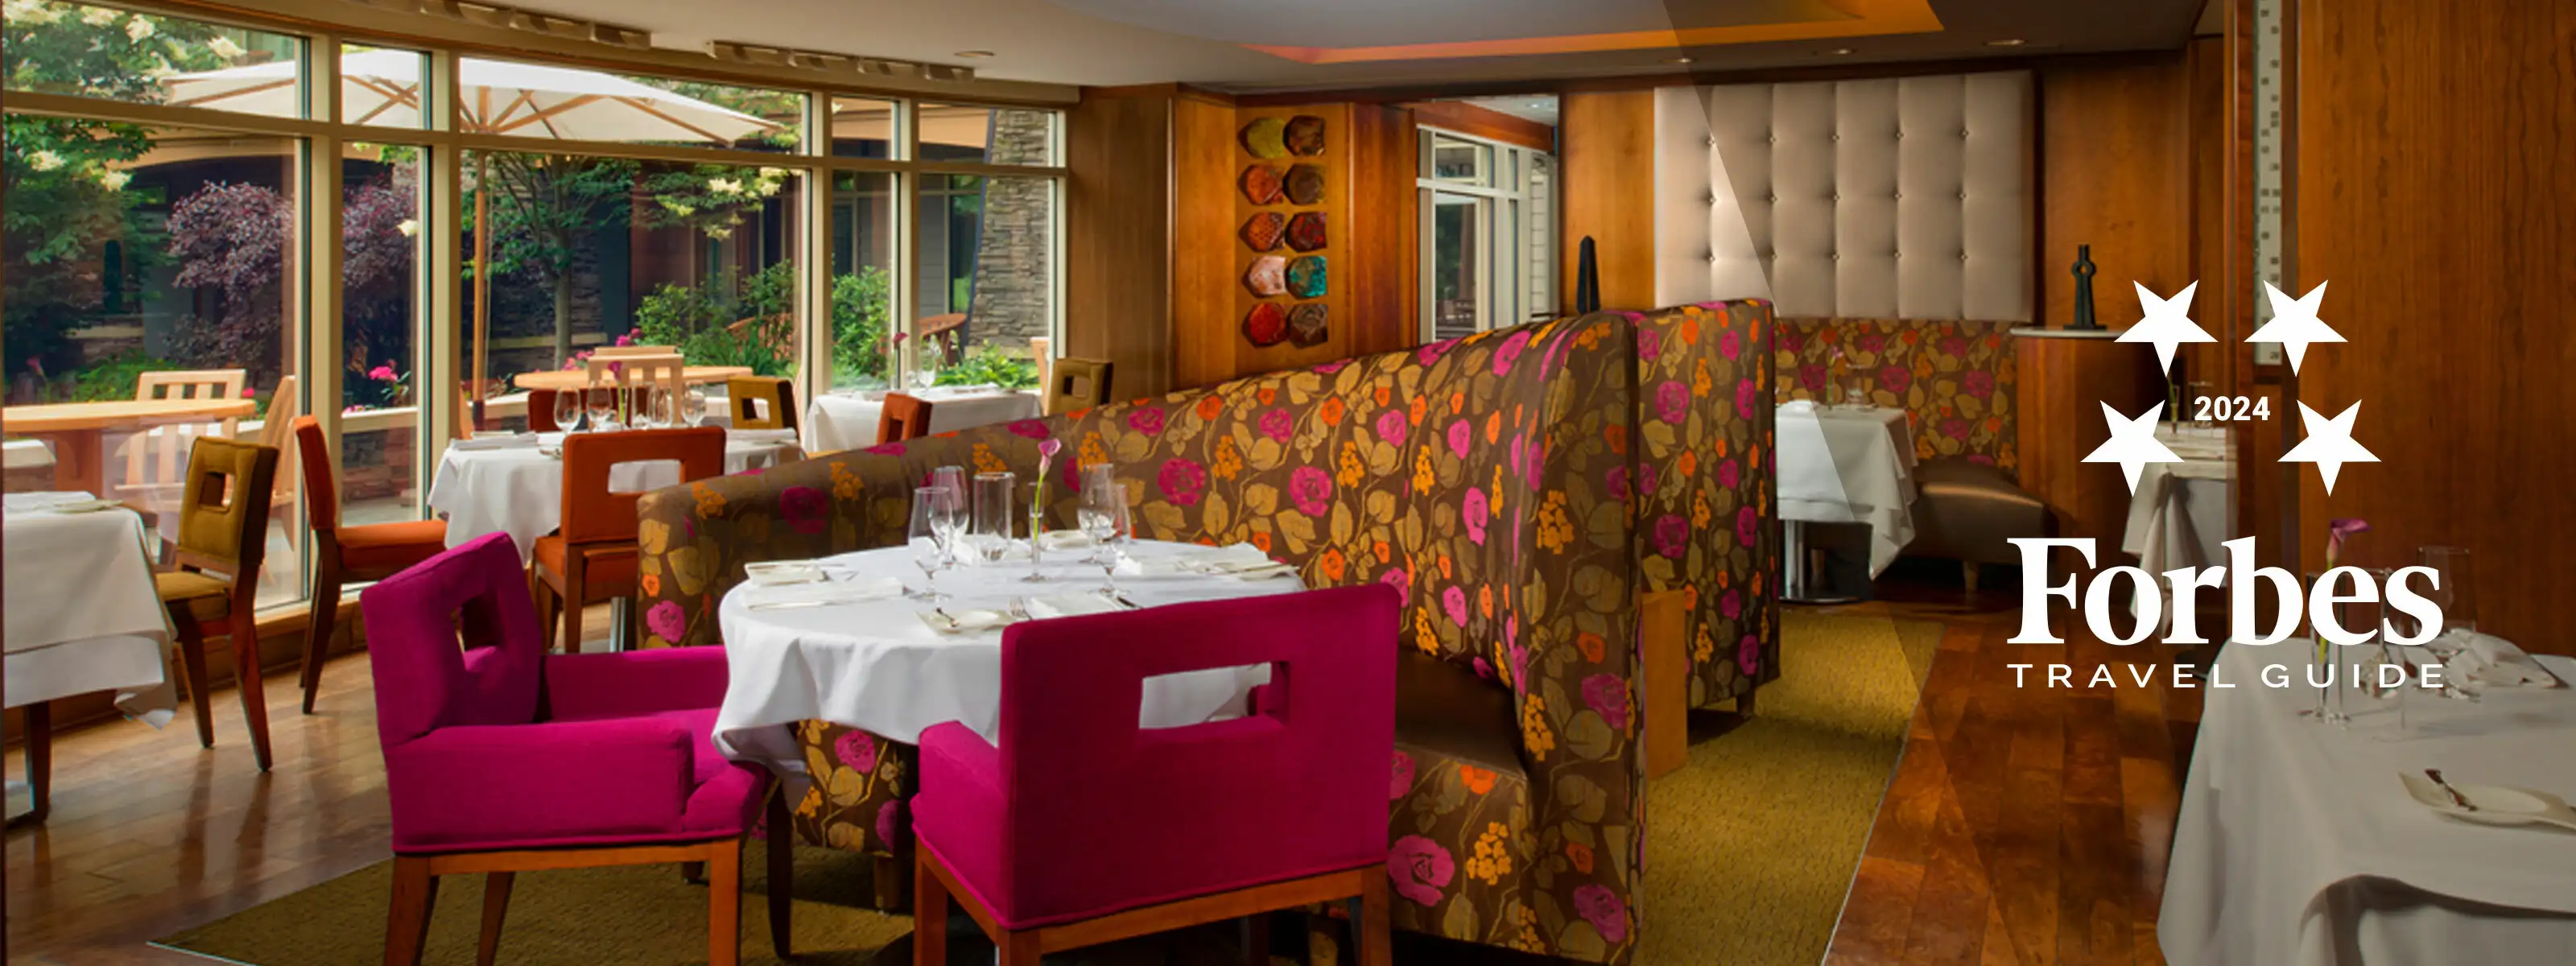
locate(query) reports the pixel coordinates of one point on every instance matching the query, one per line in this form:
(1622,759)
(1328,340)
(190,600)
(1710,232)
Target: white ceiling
(1048,41)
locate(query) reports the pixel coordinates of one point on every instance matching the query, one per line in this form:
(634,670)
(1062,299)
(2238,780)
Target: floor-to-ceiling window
(1488,233)
(183,196)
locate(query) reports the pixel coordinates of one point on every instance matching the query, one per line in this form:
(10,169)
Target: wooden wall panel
(1385,267)
(2432,192)
(1204,269)
(2062,386)
(1608,193)
(1118,239)
(2114,173)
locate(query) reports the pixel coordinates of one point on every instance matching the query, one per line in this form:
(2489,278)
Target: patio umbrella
(382,87)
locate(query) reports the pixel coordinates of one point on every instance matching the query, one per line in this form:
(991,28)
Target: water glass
(693,407)
(927,542)
(2454,585)
(567,411)
(952,508)
(1097,477)
(1103,515)
(991,536)
(602,402)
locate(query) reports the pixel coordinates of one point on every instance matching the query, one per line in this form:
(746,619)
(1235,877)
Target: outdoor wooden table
(564,379)
(74,430)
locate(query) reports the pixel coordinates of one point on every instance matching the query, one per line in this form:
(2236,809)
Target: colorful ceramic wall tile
(1268,276)
(1266,138)
(1306,231)
(1266,325)
(1309,324)
(1304,135)
(1261,184)
(1305,184)
(1305,276)
(1262,232)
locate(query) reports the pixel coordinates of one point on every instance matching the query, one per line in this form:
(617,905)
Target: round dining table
(563,379)
(852,648)
(514,484)
(76,430)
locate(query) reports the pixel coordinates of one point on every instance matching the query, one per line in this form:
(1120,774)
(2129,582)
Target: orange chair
(592,557)
(344,555)
(904,417)
(541,411)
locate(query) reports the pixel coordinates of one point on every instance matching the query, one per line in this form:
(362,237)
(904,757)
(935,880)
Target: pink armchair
(1080,827)
(500,759)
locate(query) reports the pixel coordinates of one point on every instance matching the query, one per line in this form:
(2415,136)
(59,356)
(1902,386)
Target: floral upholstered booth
(1500,482)
(1953,379)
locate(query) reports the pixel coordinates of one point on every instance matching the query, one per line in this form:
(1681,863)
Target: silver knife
(2456,798)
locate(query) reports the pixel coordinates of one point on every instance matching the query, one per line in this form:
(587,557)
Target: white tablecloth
(1849,466)
(82,614)
(875,665)
(2297,845)
(837,422)
(2179,514)
(519,491)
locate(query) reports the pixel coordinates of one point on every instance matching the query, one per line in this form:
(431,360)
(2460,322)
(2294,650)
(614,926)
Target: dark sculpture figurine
(2083,291)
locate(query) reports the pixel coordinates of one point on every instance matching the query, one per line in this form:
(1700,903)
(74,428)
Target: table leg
(80,463)
(39,721)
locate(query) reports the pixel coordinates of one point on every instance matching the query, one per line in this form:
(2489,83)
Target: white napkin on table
(1065,540)
(1798,406)
(480,443)
(31,502)
(822,592)
(1071,605)
(963,620)
(2491,661)
(761,435)
(1241,558)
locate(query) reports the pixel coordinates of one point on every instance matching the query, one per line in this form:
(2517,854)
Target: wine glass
(693,407)
(952,506)
(991,536)
(1097,476)
(602,402)
(567,411)
(928,541)
(2454,587)
(1103,515)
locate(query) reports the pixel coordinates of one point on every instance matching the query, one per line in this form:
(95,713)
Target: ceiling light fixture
(1840,51)
(2007,42)
(974,53)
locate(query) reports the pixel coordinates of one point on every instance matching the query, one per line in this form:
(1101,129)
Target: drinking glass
(693,407)
(1098,476)
(927,541)
(1855,397)
(2455,586)
(567,411)
(602,401)
(991,536)
(952,508)
(1103,515)
(2323,655)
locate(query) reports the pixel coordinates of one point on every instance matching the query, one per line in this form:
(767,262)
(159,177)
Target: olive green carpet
(1751,850)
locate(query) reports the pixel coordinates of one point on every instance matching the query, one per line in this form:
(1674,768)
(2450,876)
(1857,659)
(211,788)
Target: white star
(2329,443)
(2294,323)
(2133,443)
(2165,325)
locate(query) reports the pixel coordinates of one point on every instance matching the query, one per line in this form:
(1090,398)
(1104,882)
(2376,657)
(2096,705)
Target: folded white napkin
(952,391)
(1239,558)
(1071,605)
(857,591)
(1798,406)
(480,443)
(2491,661)
(965,620)
(1065,540)
(761,435)
(30,502)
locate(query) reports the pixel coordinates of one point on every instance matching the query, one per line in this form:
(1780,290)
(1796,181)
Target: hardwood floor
(2024,826)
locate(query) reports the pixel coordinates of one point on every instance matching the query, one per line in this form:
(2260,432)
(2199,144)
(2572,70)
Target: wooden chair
(1042,352)
(750,394)
(276,430)
(465,424)
(153,457)
(541,411)
(344,555)
(223,532)
(636,374)
(948,332)
(628,351)
(592,558)
(904,417)
(1076,384)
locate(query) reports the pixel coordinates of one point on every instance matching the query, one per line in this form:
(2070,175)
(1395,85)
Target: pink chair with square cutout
(500,758)
(1081,827)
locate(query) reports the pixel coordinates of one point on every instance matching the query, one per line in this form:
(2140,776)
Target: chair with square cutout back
(903,417)
(501,759)
(749,394)
(223,533)
(1077,826)
(341,554)
(592,558)
(1076,384)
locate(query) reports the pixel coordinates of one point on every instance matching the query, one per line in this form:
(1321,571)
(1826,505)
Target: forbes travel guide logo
(2328,444)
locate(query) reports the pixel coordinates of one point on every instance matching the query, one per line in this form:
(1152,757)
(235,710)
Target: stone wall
(1013,279)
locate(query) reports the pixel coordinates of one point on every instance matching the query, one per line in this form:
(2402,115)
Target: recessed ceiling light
(2007,42)
(1840,51)
(1678,60)
(987,53)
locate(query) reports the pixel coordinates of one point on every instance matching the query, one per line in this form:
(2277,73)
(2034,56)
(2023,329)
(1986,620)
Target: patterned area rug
(1752,850)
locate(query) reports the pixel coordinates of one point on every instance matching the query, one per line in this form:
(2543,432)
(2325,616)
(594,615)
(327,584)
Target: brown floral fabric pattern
(1703,490)
(1489,479)
(1953,379)
(858,788)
